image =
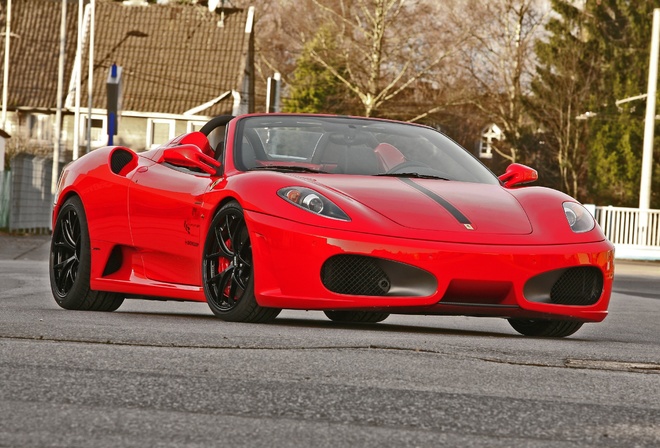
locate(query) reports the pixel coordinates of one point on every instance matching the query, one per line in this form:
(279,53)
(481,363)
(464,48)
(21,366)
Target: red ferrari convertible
(357,217)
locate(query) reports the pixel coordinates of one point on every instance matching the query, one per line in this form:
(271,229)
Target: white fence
(635,233)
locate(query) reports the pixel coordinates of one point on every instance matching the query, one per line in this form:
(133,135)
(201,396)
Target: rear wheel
(70,263)
(363,317)
(545,328)
(228,270)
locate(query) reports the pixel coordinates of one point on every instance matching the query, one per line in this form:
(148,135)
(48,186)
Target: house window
(159,131)
(99,133)
(39,127)
(488,135)
(193,126)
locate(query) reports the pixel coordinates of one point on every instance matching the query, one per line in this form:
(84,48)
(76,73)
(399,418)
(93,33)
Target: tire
(70,263)
(356,317)
(227,269)
(545,328)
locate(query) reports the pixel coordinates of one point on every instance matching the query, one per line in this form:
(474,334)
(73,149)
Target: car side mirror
(517,174)
(190,156)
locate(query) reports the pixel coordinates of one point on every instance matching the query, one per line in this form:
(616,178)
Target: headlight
(314,202)
(578,217)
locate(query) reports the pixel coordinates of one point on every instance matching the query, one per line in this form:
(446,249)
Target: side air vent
(120,159)
(114,261)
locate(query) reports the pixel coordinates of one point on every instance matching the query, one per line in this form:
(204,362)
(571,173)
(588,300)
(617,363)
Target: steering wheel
(216,122)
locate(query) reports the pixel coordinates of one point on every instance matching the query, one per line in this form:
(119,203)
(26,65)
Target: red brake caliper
(223,264)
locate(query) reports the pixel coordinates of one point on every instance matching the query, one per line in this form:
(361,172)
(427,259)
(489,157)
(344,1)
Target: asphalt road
(167,374)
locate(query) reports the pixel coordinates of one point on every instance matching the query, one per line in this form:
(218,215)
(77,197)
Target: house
(180,64)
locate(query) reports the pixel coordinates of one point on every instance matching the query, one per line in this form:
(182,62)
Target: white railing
(635,233)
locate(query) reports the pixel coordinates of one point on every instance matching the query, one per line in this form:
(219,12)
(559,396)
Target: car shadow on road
(384,327)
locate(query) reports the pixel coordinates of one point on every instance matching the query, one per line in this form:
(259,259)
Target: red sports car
(357,217)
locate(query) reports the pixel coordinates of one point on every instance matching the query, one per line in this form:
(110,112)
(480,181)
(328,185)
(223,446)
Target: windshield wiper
(288,169)
(415,175)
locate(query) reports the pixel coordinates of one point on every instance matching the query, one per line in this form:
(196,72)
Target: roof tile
(174,57)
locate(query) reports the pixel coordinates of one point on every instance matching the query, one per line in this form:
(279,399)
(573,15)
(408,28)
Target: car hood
(437,205)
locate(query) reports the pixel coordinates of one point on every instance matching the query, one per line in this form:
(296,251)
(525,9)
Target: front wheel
(227,269)
(545,328)
(70,263)
(356,317)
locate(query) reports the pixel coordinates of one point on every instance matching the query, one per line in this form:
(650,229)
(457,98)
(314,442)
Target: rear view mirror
(190,156)
(517,174)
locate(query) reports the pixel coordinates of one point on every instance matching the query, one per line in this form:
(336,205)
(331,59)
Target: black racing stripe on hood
(456,213)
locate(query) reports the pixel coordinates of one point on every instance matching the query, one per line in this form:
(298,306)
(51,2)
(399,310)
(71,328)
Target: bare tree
(500,62)
(563,91)
(385,46)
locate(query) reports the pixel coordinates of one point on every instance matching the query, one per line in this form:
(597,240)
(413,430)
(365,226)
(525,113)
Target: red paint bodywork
(158,218)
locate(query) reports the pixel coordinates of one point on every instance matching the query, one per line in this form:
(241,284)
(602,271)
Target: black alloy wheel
(70,263)
(227,269)
(66,247)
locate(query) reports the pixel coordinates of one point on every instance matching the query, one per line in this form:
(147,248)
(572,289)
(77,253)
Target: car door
(165,213)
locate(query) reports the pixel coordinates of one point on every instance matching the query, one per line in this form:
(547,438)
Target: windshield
(357,146)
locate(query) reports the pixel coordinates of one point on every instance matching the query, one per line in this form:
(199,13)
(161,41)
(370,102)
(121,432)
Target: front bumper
(467,279)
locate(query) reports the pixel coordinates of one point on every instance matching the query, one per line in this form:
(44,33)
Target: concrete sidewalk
(37,247)
(24,247)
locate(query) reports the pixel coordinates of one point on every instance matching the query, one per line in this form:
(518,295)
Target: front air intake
(361,275)
(578,286)
(354,275)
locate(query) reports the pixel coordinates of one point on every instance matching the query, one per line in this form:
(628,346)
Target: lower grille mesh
(354,275)
(578,286)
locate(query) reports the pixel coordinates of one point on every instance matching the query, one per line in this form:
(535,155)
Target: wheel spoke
(240,280)
(242,260)
(231,296)
(215,255)
(221,241)
(234,230)
(70,232)
(216,279)
(244,255)
(66,273)
(221,285)
(64,264)
(225,296)
(212,281)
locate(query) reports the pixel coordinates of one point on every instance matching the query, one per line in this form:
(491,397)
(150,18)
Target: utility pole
(77,68)
(58,115)
(90,73)
(649,125)
(5,88)
(5,75)
(649,128)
